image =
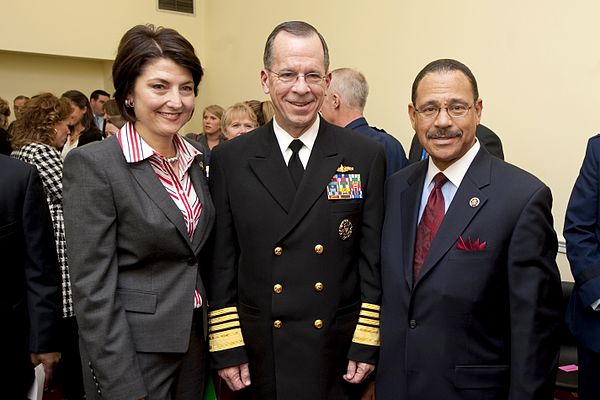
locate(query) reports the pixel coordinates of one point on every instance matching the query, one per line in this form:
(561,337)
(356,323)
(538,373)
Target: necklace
(171,160)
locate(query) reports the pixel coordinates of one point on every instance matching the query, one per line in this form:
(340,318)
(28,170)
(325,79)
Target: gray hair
(351,85)
(295,28)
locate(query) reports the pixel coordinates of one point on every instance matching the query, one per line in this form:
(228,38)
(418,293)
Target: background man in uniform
(30,301)
(299,207)
(471,290)
(344,105)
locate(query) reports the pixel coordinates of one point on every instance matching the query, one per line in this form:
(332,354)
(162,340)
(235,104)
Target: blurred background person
(97,100)
(4,114)
(264,110)
(212,135)
(30,286)
(36,138)
(237,120)
(81,123)
(18,104)
(138,214)
(112,116)
(344,106)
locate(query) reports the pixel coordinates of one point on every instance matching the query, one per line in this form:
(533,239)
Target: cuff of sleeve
(596,305)
(367,328)
(224,330)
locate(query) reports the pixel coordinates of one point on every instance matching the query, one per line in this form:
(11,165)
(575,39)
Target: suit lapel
(270,169)
(322,165)
(410,200)
(460,213)
(148,181)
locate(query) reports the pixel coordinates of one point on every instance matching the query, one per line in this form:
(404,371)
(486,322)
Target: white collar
(308,138)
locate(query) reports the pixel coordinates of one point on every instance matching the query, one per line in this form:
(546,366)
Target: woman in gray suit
(138,214)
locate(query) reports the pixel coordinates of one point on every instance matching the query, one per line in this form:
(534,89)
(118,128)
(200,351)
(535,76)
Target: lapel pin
(474,202)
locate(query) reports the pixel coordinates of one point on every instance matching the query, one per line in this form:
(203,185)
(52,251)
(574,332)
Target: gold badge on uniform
(345,229)
(344,168)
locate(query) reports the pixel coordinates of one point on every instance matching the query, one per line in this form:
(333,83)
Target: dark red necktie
(432,217)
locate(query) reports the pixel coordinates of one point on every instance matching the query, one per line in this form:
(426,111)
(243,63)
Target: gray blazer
(133,266)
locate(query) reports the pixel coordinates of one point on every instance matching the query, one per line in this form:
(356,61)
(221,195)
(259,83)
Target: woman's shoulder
(32,151)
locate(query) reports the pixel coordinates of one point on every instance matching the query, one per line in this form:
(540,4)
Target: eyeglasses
(290,77)
(457,110)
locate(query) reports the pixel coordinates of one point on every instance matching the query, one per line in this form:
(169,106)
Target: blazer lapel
(207,215)
(148,181)
(270,169)
(410,200)
(460,213)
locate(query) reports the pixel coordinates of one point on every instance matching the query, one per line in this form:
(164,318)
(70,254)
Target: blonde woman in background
(238,119)
(212,135)
(264,110)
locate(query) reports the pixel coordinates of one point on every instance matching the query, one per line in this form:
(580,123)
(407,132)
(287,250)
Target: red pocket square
(468,245)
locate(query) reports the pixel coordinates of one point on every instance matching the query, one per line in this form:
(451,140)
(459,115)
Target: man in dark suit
(486,137)
(344,105)
(295,287)
(30,294)
(582,224)
(471,290)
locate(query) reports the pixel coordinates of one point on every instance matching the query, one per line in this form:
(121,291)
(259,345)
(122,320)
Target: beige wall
(536,62)
(66,44)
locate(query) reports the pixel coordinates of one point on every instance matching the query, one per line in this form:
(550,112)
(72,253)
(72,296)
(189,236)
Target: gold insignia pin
(343,168)
(345,229)
(474,202)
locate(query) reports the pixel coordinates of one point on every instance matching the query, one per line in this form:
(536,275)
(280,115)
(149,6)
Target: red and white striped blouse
(178,186)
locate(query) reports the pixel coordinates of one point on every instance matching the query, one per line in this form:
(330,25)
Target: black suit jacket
(29,289)
(485,135)
(324,253)
(477,323)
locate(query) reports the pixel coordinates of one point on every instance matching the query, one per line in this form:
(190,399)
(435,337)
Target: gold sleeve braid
(224,329)
(367,328)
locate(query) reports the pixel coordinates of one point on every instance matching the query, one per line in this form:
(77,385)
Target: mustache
(444,134)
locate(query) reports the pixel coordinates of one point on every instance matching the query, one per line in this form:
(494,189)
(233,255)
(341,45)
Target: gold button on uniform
(277,324)
(318,324)
(277,288)
(277,250)
(318,286)
(319,249)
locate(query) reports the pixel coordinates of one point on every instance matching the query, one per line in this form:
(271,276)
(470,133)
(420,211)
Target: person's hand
(369,393)
(237,377)
(358,371)
(50,361)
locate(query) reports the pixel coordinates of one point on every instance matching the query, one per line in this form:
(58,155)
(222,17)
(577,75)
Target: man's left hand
(50,361)
(358,371)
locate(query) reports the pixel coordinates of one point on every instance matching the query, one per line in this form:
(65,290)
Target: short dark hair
(82,101)
(143,44)
(444,65)
(295,28)
(97,93)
